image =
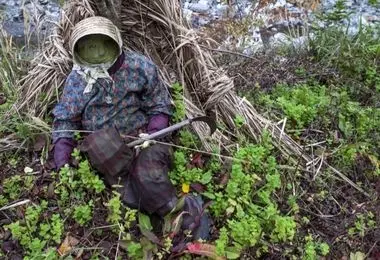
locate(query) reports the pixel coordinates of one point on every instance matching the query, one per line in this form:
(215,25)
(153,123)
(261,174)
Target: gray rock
(201,7)
(13,19)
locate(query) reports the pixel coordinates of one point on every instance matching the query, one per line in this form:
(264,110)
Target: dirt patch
(266,70)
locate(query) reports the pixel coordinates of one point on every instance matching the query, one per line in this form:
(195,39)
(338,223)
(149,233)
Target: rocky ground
(266,23)
(23,16)
(237,24)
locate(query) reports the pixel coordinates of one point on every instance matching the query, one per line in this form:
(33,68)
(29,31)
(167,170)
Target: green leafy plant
(130,217)
(314,248)
(83,213)
(222,242)
(246,231)
(14,186)
(285,229)
(180,109)
(135,250)
(114,209)
(89,180)
(252,213)
(362,223)
(302,103)
(36,232)
(3,200)
(74,183)
(57,228)
(184,174)
(239,121)
(310,251)
(188,139)
(324,249)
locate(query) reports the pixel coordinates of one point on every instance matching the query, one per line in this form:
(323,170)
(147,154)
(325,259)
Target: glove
(157,122)
(62,151)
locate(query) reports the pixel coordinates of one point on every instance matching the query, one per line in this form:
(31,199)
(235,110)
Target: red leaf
(197,160)
(224,179)
(198,187)
(203,250)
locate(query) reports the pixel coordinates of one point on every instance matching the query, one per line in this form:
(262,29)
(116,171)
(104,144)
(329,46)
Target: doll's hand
(145,144)
(62,152)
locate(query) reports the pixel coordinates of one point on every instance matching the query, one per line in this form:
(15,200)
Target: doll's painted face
(97,49)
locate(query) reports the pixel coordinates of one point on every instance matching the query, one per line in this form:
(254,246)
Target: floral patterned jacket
(129,101)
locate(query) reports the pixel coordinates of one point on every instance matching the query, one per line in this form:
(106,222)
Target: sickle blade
(208,120)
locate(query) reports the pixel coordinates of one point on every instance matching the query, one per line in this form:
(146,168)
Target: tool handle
(168,130)
(161,133)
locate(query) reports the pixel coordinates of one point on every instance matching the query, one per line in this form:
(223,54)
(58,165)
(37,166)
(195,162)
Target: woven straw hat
(96,25)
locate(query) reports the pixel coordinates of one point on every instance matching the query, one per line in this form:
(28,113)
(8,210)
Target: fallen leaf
(197,160)
(144,222)
(224,179)
(50,191)
(168,218)
(357,256)
(39,143)
(50,165)
(146,229)
(232,253)
(5,235)
(152,237)
(67,245)
(200,188)
(176,224)
(203,250)
(185,188)
(148,248)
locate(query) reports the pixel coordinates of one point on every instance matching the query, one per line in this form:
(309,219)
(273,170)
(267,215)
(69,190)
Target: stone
(13,19)
(201,7)
(279,39)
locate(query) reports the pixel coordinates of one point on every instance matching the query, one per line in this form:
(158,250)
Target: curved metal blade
(208,120)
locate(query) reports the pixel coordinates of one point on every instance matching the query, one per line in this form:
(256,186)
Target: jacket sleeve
(156,97)
(67,112)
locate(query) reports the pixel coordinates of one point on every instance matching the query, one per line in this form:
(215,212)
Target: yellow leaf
(185,188)
(67,245)
(357,256)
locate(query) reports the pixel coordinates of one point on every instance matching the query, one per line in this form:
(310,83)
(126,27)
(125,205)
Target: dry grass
(41,86)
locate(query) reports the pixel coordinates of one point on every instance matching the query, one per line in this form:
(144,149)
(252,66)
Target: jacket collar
(116,66)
